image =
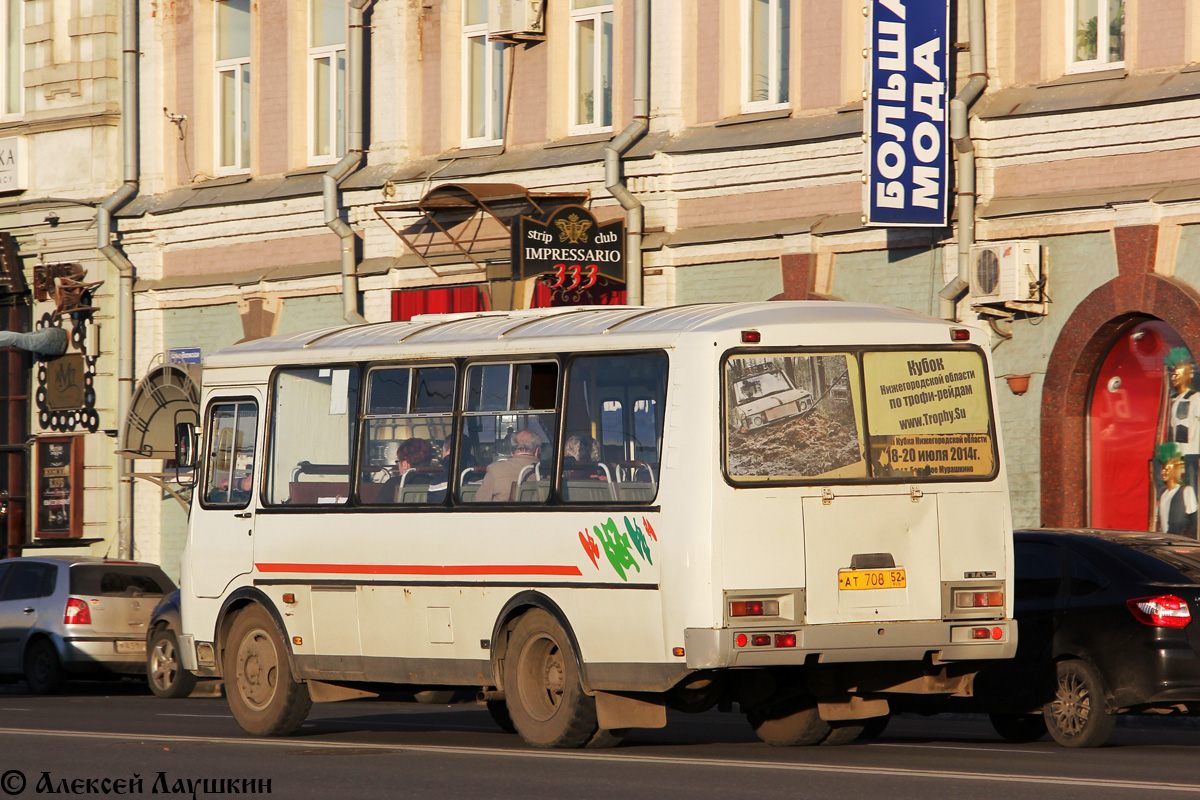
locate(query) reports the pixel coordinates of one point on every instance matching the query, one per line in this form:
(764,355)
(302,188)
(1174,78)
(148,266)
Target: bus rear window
(873,416)
(929,414)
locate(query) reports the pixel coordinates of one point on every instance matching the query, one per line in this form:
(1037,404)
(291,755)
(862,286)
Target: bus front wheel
(263,696)
(545,700)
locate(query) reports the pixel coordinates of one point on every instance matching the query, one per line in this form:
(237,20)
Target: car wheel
(1077,714)
(1019,728)
(264,697)
(43,671)
(166,675)
(541,686)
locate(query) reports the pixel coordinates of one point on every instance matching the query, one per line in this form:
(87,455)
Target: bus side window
(614,428)
(509,421)
(314,468)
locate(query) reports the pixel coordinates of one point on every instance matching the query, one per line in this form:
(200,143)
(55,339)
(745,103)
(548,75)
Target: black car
(1105,628)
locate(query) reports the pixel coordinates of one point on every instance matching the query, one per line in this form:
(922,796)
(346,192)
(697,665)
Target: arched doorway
(1125,413)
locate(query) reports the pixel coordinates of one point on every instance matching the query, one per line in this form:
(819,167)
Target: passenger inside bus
(416,481)
(501,476)
(580,450)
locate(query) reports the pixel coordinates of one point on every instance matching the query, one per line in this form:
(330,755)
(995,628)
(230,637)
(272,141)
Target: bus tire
(263,695)
(545,699)
(793,723)
(843,733)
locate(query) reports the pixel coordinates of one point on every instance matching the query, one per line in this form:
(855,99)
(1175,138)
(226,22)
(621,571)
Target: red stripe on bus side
(423,569)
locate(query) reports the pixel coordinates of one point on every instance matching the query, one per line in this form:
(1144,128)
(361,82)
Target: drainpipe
(635,130)
(104,216)
(961,135)
(341,170)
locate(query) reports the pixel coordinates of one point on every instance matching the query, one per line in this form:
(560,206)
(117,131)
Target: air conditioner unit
(1007,272)
(516,19)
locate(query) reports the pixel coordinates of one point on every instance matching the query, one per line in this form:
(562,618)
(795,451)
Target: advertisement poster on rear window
(928,414)
(793,416)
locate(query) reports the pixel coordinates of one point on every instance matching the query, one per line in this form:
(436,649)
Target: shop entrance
(14,411)
(1131,433)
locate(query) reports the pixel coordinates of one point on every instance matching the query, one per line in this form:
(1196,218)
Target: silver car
(65,616)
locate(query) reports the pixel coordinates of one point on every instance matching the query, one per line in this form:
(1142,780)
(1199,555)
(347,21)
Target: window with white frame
(14,47)
(483,79)
(592,60)
(1097,34)
(233,85)
(327,80)
(766,45)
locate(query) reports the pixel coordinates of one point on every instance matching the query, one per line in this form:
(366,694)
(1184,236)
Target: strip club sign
(906,124)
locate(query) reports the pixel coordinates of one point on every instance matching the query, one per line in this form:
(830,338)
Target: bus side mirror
(185,445)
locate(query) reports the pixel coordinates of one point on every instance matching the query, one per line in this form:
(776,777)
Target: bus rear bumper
(716,648)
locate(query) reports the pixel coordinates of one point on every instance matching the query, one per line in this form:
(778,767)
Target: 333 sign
(570,249)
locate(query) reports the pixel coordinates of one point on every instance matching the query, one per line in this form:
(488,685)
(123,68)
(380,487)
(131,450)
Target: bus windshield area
(869,416)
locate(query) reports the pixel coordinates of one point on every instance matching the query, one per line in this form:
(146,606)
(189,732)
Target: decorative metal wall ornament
(85,417)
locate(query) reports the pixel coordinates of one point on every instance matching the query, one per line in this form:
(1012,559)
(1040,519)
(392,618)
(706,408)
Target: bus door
(872,556)
(223,514)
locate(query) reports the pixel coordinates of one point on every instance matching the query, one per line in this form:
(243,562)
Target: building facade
(304,163)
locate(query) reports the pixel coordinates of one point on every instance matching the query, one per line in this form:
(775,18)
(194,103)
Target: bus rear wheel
(545,699)
(264,697)
(792,723)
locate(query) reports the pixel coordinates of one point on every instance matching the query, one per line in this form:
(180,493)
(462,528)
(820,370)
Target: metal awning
(457,221)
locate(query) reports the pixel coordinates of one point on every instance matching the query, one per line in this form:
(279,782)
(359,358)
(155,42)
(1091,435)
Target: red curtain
(407,303)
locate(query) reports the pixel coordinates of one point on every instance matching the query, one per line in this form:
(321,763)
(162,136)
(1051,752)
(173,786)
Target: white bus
(565,510)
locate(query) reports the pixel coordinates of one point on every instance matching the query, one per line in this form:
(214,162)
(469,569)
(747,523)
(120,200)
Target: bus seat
(413,494)
(467,493)
(635,492)
(311,493)
(588,491)
(532,491)
(371,493)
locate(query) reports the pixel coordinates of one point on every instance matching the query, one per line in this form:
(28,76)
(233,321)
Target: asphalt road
(393,749)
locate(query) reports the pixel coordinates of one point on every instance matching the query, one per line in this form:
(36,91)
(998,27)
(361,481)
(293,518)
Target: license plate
(131,647)
(850,579)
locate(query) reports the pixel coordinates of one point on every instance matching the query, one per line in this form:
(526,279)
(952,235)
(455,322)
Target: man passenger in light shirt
(498,482)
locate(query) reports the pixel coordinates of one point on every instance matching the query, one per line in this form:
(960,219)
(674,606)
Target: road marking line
(952,747)
(614,756)
(206,716)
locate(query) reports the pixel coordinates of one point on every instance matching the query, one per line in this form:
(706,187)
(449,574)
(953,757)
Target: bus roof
(575,327)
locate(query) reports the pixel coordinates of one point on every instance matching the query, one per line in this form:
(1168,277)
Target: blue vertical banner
(907,122)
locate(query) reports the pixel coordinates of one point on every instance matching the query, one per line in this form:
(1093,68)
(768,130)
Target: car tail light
(754,608)
(1166,610)
(77,612)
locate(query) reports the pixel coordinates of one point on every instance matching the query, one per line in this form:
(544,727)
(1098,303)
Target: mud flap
(615,711)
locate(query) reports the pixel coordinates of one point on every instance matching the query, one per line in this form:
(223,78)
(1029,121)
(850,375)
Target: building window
(766,32)
(592,56)
(233,85)
(1097,31)
(483,79)
(327,80)
(14,48)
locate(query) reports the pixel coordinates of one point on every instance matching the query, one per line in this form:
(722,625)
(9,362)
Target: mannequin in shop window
(1183,412)
(1177,503)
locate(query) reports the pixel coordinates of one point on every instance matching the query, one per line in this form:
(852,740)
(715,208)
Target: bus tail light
(77,612)
(978,599)
(996,633)
(754,608)
(785,640)
(1165,610)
